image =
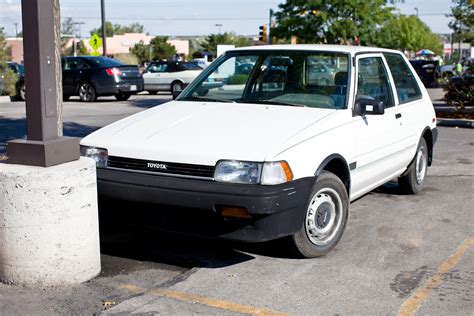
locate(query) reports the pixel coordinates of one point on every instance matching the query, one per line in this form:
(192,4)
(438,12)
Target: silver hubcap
(23,92)
(177,87)
(85,92)
(324,216)
(421,163)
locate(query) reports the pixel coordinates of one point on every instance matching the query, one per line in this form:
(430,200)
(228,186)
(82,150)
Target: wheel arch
(175,81)
(84,81)
(428,136)
(336,164)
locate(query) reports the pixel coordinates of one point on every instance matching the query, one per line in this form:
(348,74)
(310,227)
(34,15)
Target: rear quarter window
(405,82)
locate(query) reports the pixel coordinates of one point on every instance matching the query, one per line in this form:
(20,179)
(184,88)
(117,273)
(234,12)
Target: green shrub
(9,79)
(460,92)
(237,79)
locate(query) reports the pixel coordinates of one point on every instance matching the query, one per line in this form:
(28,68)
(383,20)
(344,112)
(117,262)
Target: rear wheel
(413,180)
(123,96)
(87,92)
(176,86)
(325,218)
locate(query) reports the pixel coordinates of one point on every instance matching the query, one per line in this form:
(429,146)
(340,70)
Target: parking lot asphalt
(400,254)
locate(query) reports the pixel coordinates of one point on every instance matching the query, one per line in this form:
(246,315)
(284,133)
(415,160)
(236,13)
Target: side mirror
(176,94)
(365,106)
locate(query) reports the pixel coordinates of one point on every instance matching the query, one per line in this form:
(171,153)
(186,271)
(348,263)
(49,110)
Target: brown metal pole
(104,29)
(44,145)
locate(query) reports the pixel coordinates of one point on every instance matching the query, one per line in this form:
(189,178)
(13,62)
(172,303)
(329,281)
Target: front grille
(168,168)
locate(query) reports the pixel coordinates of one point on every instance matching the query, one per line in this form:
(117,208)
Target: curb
(456,123)
(5,99)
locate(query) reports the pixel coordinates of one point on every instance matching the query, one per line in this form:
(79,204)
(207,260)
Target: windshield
(294,78)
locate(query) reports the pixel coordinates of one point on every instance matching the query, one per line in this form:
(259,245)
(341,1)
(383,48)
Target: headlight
(100,155)
(238,171)
(267,173)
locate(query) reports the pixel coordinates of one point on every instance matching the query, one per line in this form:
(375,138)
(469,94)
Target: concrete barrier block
(49,230)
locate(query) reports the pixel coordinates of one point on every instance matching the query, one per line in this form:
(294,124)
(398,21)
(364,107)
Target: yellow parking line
(413,303)
(192,298)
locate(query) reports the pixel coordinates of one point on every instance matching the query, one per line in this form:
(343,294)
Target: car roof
(320,47)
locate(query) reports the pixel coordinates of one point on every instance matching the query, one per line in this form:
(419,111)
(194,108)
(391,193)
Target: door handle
(398,115)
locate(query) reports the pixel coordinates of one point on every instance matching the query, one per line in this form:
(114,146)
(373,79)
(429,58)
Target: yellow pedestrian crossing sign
(95,42)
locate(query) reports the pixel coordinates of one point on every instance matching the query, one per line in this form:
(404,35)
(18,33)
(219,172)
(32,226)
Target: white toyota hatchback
(275,151)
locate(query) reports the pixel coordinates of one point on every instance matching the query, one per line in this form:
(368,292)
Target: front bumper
(276,211)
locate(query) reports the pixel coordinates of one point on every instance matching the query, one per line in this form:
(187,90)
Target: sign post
(44,145)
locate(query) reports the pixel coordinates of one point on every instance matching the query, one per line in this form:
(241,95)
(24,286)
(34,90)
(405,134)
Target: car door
(377,136)
(154,77)
(73,73)
(409,101)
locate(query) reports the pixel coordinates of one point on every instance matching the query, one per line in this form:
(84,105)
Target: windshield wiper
(271,102)
(198,98)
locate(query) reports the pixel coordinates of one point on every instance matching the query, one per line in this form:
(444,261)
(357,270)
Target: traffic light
(262,35)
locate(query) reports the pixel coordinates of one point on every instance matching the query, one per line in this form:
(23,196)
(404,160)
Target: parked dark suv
(90,77)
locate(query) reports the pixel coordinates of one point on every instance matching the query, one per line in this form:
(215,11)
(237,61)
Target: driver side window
(372,81)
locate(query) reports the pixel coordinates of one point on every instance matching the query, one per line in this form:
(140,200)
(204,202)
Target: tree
(117,29)
(142,52)
(109,30)
(161,49)
(68,27)
(8,77)
(330,21)
(463,23)
(211,42)
(407,33)
(158,49)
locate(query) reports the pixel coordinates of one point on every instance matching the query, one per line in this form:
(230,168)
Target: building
(118,44)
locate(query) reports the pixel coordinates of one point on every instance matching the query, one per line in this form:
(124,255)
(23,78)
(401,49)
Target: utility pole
(416,9)
(16,29)
(104,33)
(44,145)
(270,25)
(219,26)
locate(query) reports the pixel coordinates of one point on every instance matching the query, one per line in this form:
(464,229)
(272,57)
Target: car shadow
(130,231)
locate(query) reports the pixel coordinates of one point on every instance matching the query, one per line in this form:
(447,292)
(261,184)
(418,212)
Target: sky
(197,17)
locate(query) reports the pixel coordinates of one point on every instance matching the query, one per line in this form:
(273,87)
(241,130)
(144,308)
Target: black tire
(326,215)
(123,96)
(22,91)
(87,92)
(152,92)
(413,180)
(176,86)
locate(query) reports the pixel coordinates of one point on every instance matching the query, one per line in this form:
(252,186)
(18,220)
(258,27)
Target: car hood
(205,132)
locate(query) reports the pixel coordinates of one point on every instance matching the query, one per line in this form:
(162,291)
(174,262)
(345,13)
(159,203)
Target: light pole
(219,26)
(79,25)
(416,9)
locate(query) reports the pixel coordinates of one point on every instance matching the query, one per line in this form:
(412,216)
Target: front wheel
(413,180)
(123,96)
(325,218)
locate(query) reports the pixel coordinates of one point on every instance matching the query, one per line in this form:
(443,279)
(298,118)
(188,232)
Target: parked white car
(271,154)
(169,76)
